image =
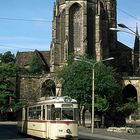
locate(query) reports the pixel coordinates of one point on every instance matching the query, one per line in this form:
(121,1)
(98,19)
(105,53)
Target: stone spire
(137,52)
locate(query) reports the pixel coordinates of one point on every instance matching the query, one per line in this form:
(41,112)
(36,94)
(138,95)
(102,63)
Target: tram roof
(57,99)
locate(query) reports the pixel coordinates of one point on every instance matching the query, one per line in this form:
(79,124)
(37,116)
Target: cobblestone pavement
(102,132)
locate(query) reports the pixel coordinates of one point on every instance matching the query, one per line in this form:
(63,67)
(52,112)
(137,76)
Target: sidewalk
(106,135)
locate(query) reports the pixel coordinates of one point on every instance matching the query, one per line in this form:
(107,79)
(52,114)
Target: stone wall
(134,81)
(30,87)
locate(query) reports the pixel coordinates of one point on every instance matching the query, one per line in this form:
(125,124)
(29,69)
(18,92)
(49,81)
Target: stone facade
(33,87)
(82,27)
(131,87)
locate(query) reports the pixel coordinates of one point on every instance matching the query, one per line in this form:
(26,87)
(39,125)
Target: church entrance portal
(48,88)
(129,91)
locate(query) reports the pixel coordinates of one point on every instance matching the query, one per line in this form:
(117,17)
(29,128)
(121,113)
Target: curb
(103,137)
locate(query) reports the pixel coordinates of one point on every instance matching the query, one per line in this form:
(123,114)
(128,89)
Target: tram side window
(38,112)
(30,114)
(53,113)
(57,113)
(76,116)
(43,114)
(35,113)
(48,112)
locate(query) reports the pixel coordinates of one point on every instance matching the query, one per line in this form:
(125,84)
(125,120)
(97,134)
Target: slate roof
(23,58)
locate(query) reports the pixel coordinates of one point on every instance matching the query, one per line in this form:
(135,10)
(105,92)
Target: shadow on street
(9,131)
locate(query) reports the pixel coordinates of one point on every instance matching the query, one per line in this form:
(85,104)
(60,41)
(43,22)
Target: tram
(52,118)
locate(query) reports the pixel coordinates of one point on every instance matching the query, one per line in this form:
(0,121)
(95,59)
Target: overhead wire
(129,14)
(9,46)
(132,16)
(44,20)
(22,19)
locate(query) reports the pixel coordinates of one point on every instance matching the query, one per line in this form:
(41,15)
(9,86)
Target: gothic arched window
(62,34)
(75,28)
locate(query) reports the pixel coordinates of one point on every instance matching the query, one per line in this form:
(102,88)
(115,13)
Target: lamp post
(120,30)
(126,27)
(93,95)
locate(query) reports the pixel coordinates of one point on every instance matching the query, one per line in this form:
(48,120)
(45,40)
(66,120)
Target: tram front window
(58,113)
(67,114)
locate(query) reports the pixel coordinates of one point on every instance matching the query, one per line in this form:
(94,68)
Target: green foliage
(77,83)
(7,87)
(19,105)
(108,84)
(35,65)
(7,70)
(102,104)
(7,57)
(130,107)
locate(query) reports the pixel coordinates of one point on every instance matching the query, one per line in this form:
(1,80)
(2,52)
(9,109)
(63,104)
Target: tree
(76,81)
(108,87)
(106,80)
(129,107)
(7,57)
(77,77)
(36,65)
(7,88)
(102,106)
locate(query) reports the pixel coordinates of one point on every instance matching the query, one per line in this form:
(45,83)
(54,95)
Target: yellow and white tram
(52,118)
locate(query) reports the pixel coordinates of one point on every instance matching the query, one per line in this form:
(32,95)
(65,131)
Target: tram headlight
(67,99)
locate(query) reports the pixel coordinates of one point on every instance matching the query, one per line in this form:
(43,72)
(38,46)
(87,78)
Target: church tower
(136,61)
(82,27)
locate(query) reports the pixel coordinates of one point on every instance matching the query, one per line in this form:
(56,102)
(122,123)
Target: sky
(128,13)
(26,25)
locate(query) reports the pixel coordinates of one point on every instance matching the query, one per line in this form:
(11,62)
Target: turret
(136,53)
(111,11)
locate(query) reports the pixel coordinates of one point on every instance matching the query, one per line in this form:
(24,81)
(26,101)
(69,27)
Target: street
(89,138)
(82,137)
(8,130)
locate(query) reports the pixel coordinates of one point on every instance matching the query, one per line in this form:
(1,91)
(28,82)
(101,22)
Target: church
(82,27)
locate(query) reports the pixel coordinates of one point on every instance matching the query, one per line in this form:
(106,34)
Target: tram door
(50,116)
